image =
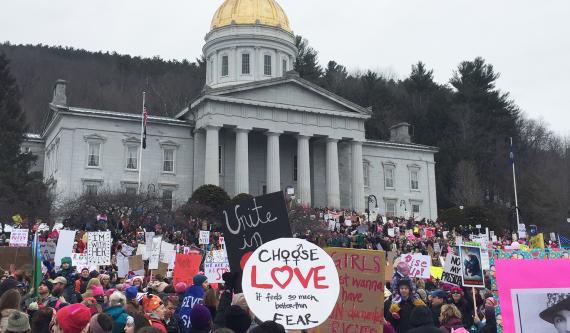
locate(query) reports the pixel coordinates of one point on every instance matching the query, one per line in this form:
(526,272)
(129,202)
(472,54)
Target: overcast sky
(528,41)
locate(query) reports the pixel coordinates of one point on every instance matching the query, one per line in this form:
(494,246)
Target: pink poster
(534,294)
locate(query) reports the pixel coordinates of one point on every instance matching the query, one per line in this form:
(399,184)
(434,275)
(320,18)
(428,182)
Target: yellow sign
(436,272)
(17,219)
(537,242)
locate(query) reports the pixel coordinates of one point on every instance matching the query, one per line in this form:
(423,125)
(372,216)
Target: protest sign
(19,238)
(419,264)
(141,250)
(537,242)
(185,267)
(204,238)
(148,237)
(436,272)
(136,263)
(79,261)
(167,254)
(215,264)
(122,265)
(452,270)
(154,256)
(12,258)
(397,231)
(471,267)
(430,232)
(64,245)
(253,222)
(362,275)
(162,269)
(127,250)
(437,248)
(47,250)
(291,282)
(221,241)
(391,232)
(99,248)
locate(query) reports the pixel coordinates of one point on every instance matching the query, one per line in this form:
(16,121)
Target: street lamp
(370,198)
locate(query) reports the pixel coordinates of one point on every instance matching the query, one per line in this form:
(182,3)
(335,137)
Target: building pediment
(289,92)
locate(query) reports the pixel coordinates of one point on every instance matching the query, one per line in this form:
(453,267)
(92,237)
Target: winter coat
(194,295)
(157,323)
(436,312)
(402,324)
(452,324)
(421,321)
(223,306)
(466,309)
(119,316)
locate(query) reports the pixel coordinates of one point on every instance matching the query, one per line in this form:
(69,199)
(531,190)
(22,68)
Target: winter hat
(237,319)
(109,292)
(48,284)
(66,260)
(200,317)
(97,291)
(456,290)
(59,279)
(101,323)
(85,269)
(180,287)
(199,279)
(438,293)
(150,303)
(73,318)
(18,322)
(490,302)
(117,299)
(103,276)
(131,293)
(405,282)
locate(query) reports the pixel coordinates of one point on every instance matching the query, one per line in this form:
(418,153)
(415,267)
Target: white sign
(391,232)
(148,237)
(19,238)
(99,248)
(419,265)
(437,247)
(47,249)
(154,256)
(79,261)
(452,270)
(141,250)
(168,254)
(122,265)
(204,237)
(291,282)
(215,265)
(64,245)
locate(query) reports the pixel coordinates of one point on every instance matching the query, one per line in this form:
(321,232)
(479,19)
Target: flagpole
(142,138)
(515,184)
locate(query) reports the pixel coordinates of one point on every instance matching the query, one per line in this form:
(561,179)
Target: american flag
(145,118)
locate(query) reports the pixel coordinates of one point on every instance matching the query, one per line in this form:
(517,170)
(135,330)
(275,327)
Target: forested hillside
(468,118)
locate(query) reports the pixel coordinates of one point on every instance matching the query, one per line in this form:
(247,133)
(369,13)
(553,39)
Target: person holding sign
(464,306)
(194,295)
(398,309)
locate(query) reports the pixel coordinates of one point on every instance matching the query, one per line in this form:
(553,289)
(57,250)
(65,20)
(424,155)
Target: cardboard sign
(204,238)
(185,267)
(162,269)
(471,266)
(136,263)
(291,282)
(16,258)
(19,238)
(99,248)
(252,223)
(452,270)
(154,256)
(362,274)
(419,265)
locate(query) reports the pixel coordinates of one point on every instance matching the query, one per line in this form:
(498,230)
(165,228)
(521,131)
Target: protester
(9,304)
(268,327)
(201,319)
(438,298)
(211,301)
(171,316)
(43,320)
(135,323)
(116,309)
(154,311)
(450,318)
(421,321)
(72,319)
(237,319)
(464,306)
(18,322)
(194,295)
(101,323)
(398,309)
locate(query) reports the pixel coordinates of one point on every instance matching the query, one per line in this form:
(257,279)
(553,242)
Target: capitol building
(256,128)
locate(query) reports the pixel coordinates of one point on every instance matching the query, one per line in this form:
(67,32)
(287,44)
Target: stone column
(273,163)
(242,162)
(357,177)
(303,169)
(211,170)
(332,177)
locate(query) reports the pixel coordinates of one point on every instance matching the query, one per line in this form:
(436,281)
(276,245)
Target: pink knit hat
(97,291)
(180,287)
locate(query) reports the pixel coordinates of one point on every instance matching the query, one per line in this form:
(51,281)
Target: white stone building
(256,128)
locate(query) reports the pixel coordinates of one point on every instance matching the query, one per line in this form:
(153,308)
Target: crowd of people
(98,301)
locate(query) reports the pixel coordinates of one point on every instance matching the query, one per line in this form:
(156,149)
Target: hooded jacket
(452,324)
(119,316)
(421,321)
(193,296)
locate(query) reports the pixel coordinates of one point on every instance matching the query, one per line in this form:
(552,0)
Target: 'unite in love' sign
(292,282)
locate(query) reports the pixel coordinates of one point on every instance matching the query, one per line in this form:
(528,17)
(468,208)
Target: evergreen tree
(20,192)
(307,63)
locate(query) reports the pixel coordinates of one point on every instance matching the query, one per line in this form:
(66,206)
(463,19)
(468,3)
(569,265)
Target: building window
(167,199)
(366,173)
(225,65)
(295,168)
(245,63)
(91,189)
(415,209)
(132,157)
(267,64)
(284,66)
(414,183)
(93,159)
(220,160)
(389,177)
(168,160)
(391,208)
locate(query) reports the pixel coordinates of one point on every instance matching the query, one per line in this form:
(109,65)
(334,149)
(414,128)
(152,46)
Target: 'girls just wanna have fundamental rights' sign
(292,282)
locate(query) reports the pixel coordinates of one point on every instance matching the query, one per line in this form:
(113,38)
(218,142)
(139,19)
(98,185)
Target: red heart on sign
(281,271)
(244,259)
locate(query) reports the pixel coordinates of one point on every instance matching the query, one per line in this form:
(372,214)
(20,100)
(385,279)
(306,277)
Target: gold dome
(265,12)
